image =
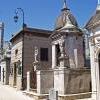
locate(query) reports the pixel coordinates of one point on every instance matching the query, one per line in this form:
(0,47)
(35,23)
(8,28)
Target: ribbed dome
(64,18)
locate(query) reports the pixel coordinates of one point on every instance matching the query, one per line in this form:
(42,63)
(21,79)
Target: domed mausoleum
(93,27)
(68,36)
(68,56)
(65,18)
(68,75)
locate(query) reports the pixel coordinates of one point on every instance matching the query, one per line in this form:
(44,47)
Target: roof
(65,17)
(94,20)
(34,31)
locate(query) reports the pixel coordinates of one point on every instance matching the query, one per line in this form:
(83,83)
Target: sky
(42,14)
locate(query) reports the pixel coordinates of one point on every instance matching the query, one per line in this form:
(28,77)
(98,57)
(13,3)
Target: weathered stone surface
(72,81)
(44,81)
(25,53)
(53,95)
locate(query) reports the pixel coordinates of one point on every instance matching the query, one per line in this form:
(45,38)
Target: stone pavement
(9,93)
(85,99)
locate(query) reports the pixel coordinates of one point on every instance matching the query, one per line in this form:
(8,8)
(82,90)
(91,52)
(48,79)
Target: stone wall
(72,81)
(30,42)
(44,81)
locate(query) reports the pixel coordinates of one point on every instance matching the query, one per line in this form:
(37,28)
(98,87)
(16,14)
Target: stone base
(75,96)
(72,81)
(37,96)
(44,81)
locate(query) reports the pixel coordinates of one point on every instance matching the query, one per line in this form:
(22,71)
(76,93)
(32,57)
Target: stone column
(28,81)
(53,56)
(38,75)
(76,58)
(61,77)
(93,71)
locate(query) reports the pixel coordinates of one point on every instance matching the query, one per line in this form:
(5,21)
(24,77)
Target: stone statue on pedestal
(36,54)
(36,62)
(62,47)
(63,58)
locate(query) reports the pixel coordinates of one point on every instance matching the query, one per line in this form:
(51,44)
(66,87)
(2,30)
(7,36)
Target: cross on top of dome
(64,5)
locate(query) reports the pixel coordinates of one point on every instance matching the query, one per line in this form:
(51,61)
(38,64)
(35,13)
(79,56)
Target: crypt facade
(22,55)
(68,74)
(93,26)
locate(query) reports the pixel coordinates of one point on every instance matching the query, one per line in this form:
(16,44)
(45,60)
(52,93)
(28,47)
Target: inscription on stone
(53,95)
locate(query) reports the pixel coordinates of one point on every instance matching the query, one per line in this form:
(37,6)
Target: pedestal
(64,63)
(59,80)
(36,65)
(44,81)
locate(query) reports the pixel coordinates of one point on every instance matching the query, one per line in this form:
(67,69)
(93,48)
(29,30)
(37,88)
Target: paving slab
(9,93)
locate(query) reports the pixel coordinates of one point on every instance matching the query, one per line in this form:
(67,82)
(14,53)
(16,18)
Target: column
(93,71)
(76,58)
(28,81)
(53,56)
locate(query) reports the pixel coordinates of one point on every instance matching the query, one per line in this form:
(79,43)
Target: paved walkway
(9,93)
(85,99)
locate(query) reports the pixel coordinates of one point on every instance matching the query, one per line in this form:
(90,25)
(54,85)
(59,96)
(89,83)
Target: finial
(98,2)
(64,5)
(98,6)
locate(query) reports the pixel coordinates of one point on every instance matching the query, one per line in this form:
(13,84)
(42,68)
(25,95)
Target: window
(44,54)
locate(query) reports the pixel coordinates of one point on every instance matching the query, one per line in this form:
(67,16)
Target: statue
(36,54)
(64,61)
(62,44)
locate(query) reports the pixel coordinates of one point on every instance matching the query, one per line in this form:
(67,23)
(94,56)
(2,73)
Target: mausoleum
(68,75)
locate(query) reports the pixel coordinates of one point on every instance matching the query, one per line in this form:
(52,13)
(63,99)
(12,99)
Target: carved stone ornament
(92,41)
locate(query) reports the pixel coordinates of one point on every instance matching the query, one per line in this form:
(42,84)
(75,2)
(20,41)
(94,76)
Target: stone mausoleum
(93,26)
(68,75)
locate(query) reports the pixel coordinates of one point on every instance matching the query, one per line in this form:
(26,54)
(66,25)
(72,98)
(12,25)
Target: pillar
(93,71)
(76,58)
(53,56)
(28,81)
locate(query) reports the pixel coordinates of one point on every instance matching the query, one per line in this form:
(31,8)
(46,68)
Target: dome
(64,18)
(95,19)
